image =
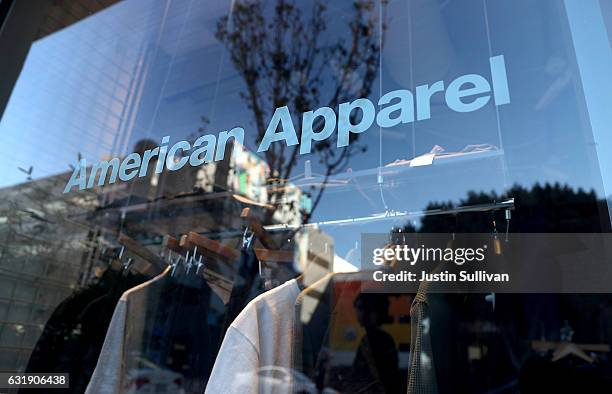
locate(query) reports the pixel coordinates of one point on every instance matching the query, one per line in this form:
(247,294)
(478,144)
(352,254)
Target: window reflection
(115,80)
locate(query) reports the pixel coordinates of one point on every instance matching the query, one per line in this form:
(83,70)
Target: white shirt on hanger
(255,356)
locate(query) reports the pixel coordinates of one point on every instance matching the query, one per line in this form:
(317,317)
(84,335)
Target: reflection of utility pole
(28,172)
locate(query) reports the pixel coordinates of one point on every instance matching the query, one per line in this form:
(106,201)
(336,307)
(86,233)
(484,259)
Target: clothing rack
(489,207)
(210,246)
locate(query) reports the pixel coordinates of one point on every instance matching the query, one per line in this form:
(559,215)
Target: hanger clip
(127,266)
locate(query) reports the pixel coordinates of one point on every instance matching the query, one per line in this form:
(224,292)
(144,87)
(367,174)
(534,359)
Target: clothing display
(173,326)
(247,284)
(74,334)
(107,375)
(421,372)
(256,347)
(337,334)
(305,197)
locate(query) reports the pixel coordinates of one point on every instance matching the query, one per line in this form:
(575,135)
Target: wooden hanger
(173,244)
(207,246)
(246,200)
(220,284)
(256,226)
(266,256)
(315,264)
(142,252)
(274,256)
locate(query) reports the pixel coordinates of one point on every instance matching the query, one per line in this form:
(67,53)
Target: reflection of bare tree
(285,58)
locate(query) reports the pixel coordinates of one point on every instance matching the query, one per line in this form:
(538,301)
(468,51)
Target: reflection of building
(248,177)
(63,105)
(85,85)
(49,241)
(42,258)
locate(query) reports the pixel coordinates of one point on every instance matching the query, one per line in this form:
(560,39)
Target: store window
(170,168)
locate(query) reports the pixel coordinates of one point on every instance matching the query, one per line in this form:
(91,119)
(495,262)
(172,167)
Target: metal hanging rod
(496,206)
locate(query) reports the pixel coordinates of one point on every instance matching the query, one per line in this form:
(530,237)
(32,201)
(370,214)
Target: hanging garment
(255,356)
(73,336)
(106,376)
(421,370)
(247,284)
(164,334)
